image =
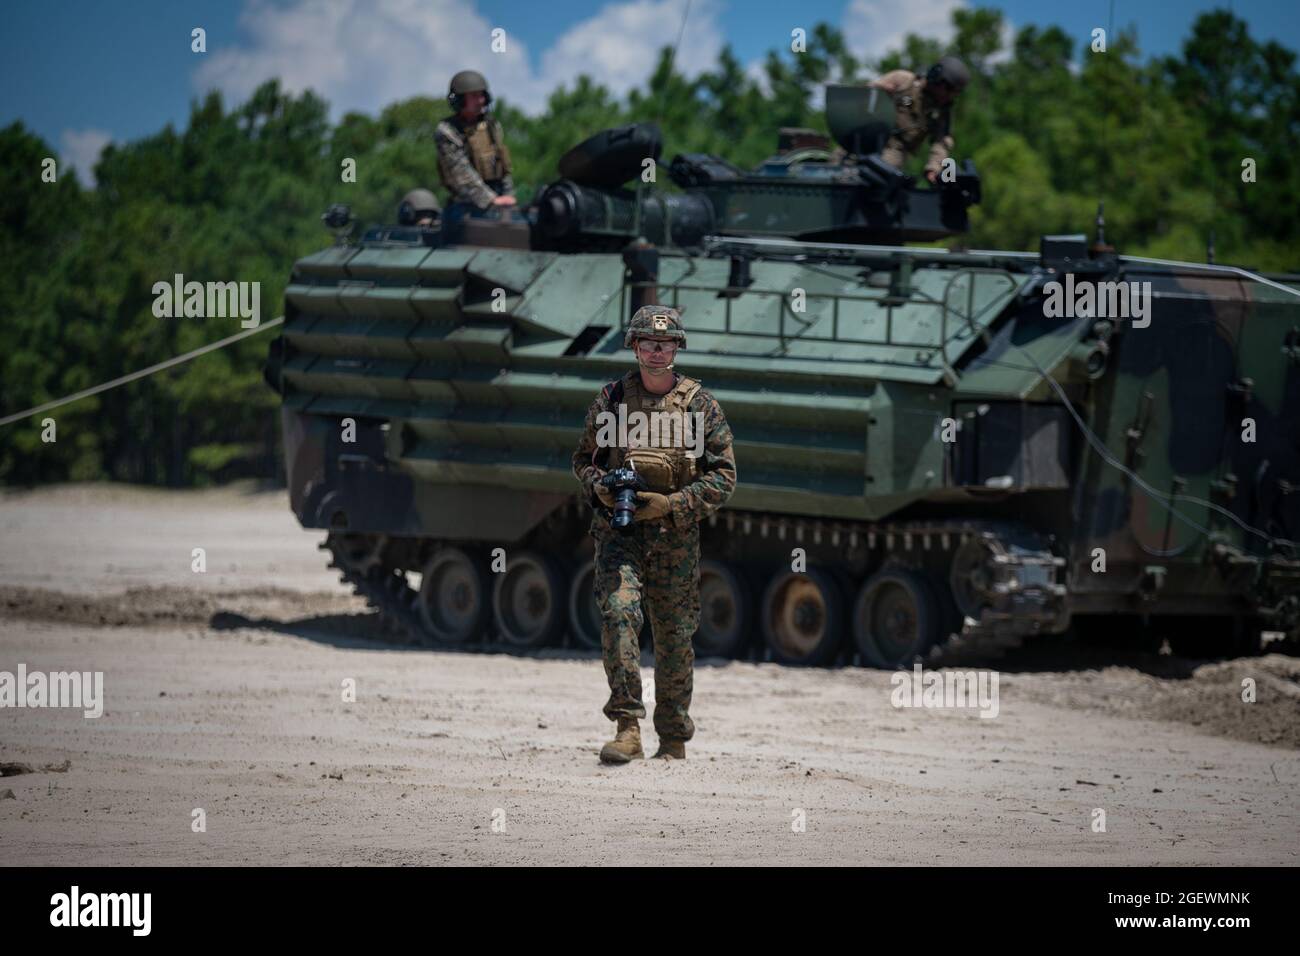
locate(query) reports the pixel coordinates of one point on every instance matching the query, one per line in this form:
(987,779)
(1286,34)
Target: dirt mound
(1204,695)
(170,605)
(1211,700)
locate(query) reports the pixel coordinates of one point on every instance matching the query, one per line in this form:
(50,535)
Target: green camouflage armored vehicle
(934,449)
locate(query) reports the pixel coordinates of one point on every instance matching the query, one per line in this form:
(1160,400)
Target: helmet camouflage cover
(659,321)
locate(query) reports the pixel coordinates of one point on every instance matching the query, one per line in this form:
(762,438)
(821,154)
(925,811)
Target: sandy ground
(224,692)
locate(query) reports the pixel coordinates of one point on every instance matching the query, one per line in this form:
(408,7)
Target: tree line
(1052,126)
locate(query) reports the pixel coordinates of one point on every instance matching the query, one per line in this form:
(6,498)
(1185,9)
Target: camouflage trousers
(655,567)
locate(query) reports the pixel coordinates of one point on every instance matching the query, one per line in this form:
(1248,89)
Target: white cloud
(80,149)
(874,27)
(619,46)
(364,54)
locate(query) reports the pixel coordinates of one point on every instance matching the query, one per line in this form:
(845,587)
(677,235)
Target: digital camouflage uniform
(473,160)
(656,563)
(917,118)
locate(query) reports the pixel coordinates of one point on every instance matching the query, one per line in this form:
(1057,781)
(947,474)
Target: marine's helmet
(416,205)
(467,81)
(949,70)
(655,321)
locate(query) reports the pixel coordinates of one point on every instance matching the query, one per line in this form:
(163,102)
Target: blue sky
(90,71)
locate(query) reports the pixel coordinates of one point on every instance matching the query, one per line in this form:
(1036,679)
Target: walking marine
(651,567)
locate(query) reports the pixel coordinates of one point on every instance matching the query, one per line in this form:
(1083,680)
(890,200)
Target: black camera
(623,483)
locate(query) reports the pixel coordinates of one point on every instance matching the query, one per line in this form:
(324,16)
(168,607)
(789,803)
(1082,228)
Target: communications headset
(457,101)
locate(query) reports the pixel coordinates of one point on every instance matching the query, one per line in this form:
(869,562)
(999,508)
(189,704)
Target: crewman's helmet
(416,205)
(467,81)
(949,70)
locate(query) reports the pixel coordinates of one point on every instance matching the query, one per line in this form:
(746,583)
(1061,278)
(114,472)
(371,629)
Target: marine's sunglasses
(645,345)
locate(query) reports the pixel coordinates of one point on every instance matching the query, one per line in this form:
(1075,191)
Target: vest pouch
(662,470)
(484,152)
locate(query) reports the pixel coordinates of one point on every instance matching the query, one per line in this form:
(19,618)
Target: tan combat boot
(671,748)
(626,745)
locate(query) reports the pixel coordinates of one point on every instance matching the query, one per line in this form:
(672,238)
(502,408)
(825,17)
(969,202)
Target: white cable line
(1158,497)
(86,393)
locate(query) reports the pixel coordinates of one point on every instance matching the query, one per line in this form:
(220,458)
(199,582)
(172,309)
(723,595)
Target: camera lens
(624,507)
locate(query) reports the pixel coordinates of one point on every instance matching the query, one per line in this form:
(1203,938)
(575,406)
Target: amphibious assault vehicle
(935,449)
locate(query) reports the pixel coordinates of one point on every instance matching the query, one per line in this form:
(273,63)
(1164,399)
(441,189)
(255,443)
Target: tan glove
(604,494)
(653,506)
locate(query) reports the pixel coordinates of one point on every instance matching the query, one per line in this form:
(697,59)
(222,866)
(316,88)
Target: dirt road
(224,692)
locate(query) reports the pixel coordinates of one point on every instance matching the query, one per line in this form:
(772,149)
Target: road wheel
(528,600)
(896,618)
(452,603)
(968,578)
(725,611)
(584,612)
(802,617)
